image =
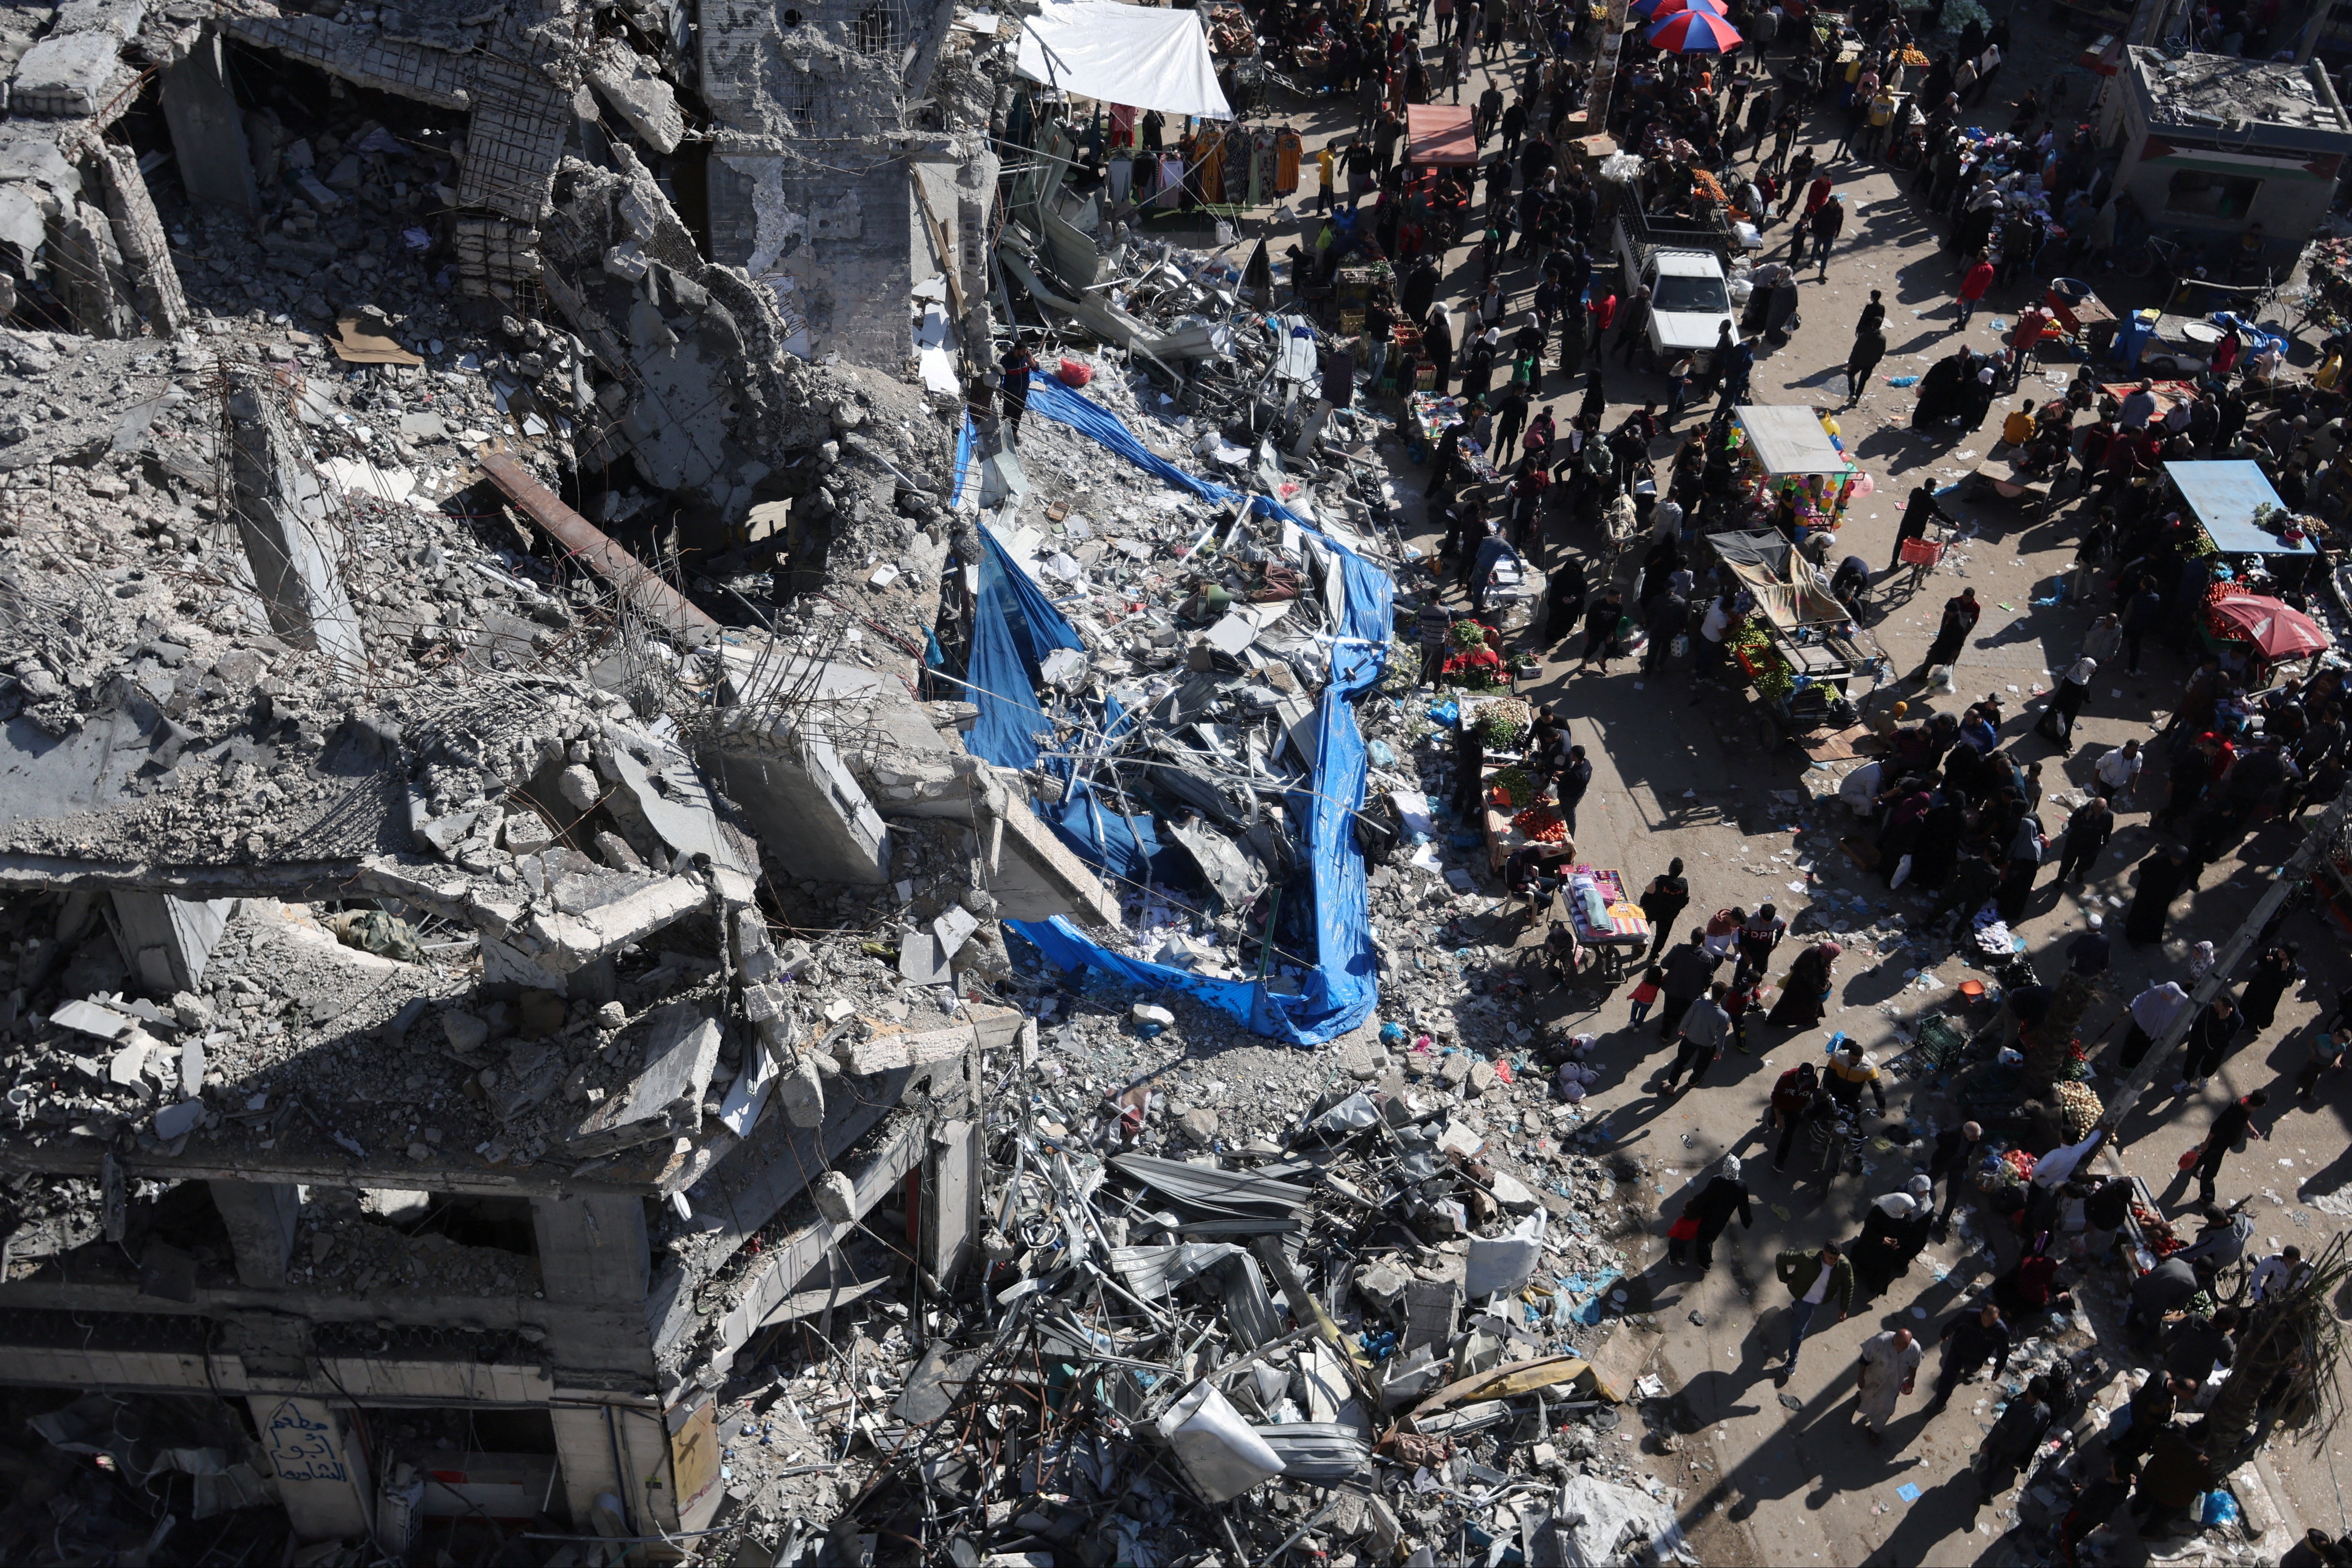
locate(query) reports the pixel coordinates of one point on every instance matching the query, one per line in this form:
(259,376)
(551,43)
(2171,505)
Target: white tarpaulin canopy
(1789,440)
(1136,54)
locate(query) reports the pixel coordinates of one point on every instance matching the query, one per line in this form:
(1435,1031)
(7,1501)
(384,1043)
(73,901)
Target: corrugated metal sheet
(1322,1453)
(1215,1191)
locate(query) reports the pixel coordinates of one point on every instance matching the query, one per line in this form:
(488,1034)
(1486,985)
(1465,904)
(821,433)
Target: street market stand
(1798,648)
(2232,501)
(1789,455)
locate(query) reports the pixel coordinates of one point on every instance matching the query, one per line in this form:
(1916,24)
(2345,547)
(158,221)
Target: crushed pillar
(260,1219)
(804,804)
(87,267)
(167,940)
(216,161)
(290,540)
(147,264)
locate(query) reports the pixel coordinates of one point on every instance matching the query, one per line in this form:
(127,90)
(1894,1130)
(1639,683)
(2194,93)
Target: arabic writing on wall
(301,1448)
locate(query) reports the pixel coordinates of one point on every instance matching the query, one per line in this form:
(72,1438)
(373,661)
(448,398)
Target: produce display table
(1627,933)
(1426,418)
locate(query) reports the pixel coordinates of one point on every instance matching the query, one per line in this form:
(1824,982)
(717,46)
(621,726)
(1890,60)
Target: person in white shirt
(2118,771)
(2151,1012)
(1859,790)
(1713,627)
(2278,1274)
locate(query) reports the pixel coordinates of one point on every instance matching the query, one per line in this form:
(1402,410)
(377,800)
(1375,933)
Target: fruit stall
(1797,646)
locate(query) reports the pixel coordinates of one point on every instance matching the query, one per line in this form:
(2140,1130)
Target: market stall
(1791,457)
(1427,417)
(1798,647)
(1604,919)
(2256,634)
(1439,134)
(2080,321)
(2240,514)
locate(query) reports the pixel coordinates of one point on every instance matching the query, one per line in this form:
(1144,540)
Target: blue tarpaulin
(1013,626)
(1342,989)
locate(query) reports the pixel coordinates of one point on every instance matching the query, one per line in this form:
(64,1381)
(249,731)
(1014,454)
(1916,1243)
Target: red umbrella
(1695,32)
(2279,631)
(1659,10)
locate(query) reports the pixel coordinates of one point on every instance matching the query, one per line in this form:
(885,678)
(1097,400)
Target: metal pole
(1604,71)
(2226,959)
(2320,15)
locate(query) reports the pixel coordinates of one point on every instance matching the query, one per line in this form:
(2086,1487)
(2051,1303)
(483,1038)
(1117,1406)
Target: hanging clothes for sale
(1209,159)
(1171,180)
(1121,177)
(1123,125)
(1288,150)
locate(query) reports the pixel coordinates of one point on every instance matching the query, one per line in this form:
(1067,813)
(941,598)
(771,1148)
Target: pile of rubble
(1229,1306)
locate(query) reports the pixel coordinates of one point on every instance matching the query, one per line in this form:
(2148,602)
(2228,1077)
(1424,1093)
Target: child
(1736,1003)
(1645,995)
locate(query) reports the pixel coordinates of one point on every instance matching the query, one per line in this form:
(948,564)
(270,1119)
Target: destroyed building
(551,773)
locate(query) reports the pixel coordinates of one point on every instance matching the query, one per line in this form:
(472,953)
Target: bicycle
(1922,555)
(2152,249)
(1837,1140)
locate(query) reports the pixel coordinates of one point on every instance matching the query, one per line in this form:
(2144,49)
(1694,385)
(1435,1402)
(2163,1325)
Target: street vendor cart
(1789,455)
(1800,650)
(1427,417)
(1605,921)
(2243,518)
(2081,316)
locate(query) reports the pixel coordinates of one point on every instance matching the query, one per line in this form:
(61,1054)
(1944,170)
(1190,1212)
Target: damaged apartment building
(475,957)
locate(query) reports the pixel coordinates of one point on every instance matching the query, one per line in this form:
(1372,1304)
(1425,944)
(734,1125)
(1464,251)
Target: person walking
(2117,771)
(1725,1195)
(1806,987)
(2228,1134)
(2011,1442)
(1970,1339)
(1815,1280)
(2275,974)
(1434,624)
(1662,903)
(2088,827)
(1705,1025)
(1973,285)
(1920,510)
(1689,971)
(1960,618)
(2329,1041)
(1869,348)
(2208,1043)
(1827,223)
(1951,1162)
(1886,1369)
(2057,722)
(2151,1013)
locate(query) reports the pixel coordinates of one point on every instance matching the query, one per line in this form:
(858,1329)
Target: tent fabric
(1787,588)
(1343,987)
(1015,626)
(2280,630)
(1135,55)
(1790,440)
(1439,133)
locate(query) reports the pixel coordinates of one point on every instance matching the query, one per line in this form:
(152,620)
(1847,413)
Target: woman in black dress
(2161,877)
(1937,851)
(1807,988)
(2275,973)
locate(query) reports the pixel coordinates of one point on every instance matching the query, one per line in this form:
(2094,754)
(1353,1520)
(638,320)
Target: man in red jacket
(1973,285)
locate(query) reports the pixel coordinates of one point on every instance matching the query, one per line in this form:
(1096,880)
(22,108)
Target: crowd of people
(1951,804)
